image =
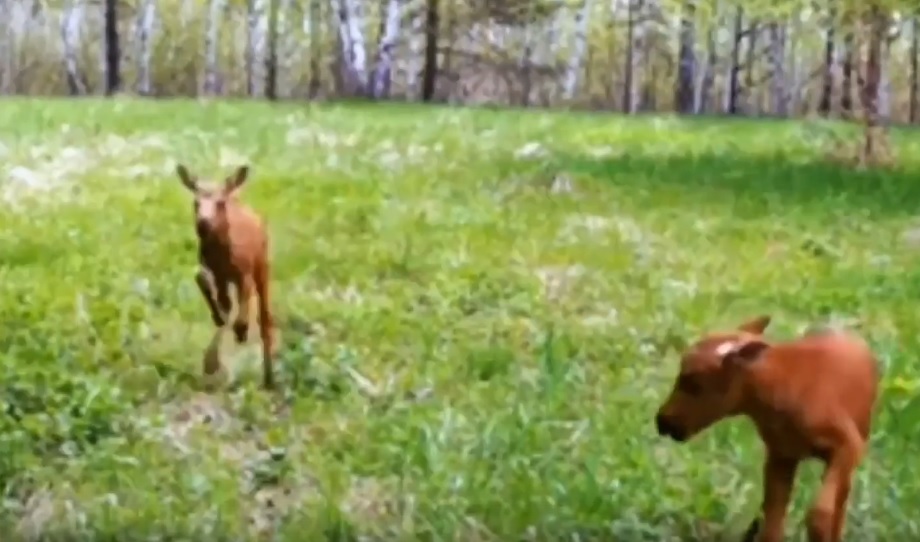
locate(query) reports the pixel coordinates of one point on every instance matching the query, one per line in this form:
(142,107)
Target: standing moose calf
(811,397)
(232,249)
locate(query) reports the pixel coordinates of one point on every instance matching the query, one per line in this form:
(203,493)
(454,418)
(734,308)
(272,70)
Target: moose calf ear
(745,352)
(757,325)
(188,180)
(239,177)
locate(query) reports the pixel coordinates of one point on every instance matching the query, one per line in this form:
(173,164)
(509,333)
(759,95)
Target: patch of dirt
(272,486)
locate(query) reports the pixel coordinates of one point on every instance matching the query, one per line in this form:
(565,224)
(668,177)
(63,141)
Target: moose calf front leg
(205,281)
(245,290)
(778,479)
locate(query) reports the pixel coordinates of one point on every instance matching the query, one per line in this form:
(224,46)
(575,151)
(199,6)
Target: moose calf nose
(668,428)
(662,425)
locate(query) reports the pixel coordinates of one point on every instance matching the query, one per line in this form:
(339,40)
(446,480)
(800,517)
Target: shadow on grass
(760,185)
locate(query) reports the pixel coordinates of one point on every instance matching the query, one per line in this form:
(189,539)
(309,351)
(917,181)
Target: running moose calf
(811,397)
(232,249)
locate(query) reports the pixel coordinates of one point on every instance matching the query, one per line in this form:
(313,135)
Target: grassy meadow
(478,310)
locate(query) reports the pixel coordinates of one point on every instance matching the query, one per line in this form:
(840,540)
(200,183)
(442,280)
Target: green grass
(486,350)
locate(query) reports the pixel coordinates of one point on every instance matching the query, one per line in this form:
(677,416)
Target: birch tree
(354,53)
(579,49)
(795,64)
(256,47)
(416,58)
(686,71)
(383,67)
(211,44)
(778,83)
(827,88)
(914,82)
(143,35)
(71,24)
(314,28)
(753,32)
(708,76)
(633,61)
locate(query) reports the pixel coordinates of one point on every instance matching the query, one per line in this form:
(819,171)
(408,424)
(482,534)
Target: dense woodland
(705,56)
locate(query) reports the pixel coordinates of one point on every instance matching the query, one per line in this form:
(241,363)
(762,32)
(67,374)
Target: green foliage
(479,314)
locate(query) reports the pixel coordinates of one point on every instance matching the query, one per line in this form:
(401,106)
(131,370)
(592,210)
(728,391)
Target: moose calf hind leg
(241,324)
(203,279)
(825,519)
(266,323)
(820,524)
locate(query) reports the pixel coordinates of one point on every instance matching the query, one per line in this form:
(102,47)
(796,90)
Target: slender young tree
(112,49)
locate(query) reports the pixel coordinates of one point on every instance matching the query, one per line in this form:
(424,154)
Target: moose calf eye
(688,384)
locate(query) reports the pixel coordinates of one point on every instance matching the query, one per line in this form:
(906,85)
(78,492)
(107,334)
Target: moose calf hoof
(218,320)
(241,331)
(750,535)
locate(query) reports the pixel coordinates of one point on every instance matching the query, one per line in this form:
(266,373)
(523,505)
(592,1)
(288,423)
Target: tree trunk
(383,68)
(914,40)
(846,90)
(255,52)
(526,62)
(796,66)
(779,90)
(315,13)
(579,49)
(750,61)
(351,30)
(827,88)
(70,34)
(430,71)
(875,138)
(686,71)
(211,46)
(112,49)
(629,85)
(703,94)
(144,28)
(735,66)
(416,61)
(271,59)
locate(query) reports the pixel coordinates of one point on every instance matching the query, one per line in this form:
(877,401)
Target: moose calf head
(710,384)
(211,199)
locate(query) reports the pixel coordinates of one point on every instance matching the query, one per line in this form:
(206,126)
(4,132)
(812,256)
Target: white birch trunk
(71,24)
(416,61)
(884,88)
(211,45)
(383,69)
(143,35)
(778,83)
(579,48)
(351,23)
(288,47)
(257,47)
(795,66)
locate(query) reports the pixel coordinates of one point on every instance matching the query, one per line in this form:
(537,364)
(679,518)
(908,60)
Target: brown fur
(232,249)
(811,397)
